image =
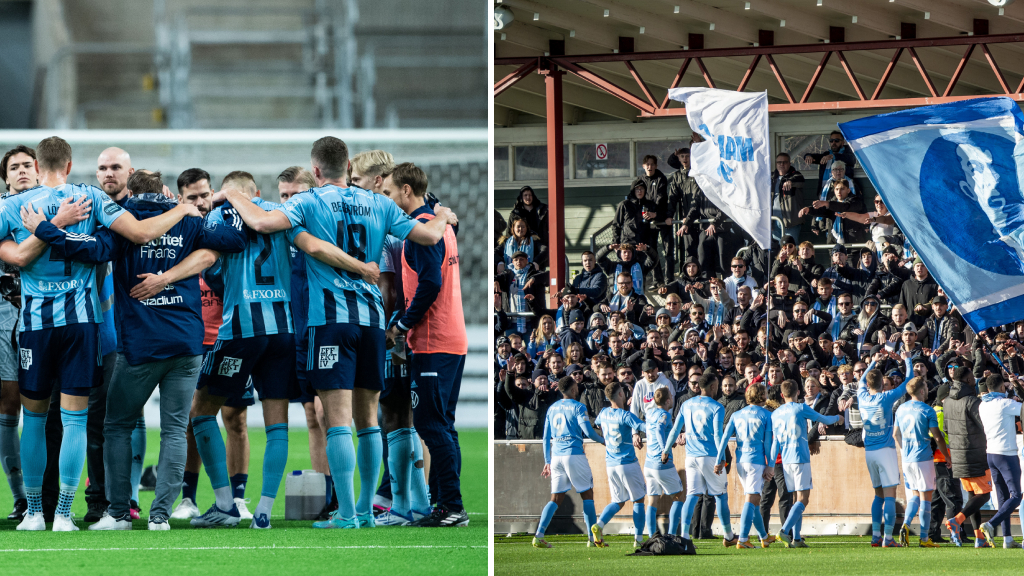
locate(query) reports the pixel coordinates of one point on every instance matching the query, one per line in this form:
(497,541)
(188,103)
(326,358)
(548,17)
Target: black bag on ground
(666,545)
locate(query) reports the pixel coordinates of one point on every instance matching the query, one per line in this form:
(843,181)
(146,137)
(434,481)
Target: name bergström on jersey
(229,366)
(355,210)
(328,357)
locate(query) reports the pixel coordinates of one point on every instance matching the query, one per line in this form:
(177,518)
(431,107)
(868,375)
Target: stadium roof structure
(574,60)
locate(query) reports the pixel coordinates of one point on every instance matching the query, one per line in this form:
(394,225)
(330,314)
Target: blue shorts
(266,359)
(243,399)
(306,391)
(345,356)
(397,377)
(69,354)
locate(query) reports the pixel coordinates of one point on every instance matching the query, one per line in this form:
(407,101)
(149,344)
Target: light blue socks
(674,517)
(72,457)
(722,503)
(545,518)
(33,458)
(341,457)
(889,516)
(10,454)
(368,455)
(652,521)
(688,507)
(589,516)
(608,513)
(876,516)
(638,521)
(275,457)
(400,458)
(925,516)
(211,449)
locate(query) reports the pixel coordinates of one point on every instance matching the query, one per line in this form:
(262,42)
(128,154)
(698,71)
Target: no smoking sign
(602,152)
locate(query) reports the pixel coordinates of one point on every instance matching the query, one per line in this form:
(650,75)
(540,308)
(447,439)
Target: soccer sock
(138,455)
(419,494)
(342,458)
(794,515)
(688,507)
(238,482)
(214,455)
(638,520)
(745,521)
(608,513)
(925,517)
(722,502)
(10,454)
(189,483)
(400,455)
(33,458)
(652,520)
(908,515)
(798,526)
(72,457)
(545,518)
(674,516)
(589,516)
(274,459)
(369,455)
(876,516)
(329,485)
(889,516)
(762,532)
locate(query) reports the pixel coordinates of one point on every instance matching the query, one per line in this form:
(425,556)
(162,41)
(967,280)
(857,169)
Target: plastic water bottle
(305,493)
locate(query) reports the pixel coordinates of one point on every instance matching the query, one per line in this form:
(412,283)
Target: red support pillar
(556,181)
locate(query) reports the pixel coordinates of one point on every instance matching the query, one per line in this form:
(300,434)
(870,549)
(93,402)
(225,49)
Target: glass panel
(660,148)
(797,146)
(602,160)
(532,162)
(500,163)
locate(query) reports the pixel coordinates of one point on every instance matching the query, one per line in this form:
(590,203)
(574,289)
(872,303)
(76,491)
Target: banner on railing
(732,165)
(951,176)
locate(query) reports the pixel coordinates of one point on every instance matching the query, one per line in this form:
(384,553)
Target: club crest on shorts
(328,357)
(229,366)
(26,358)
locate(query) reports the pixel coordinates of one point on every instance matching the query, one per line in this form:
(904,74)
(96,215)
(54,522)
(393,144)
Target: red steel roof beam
(885,75)
(814,78)
(507,82)
(605,85)
(959,70)
(782,81)
(851,75)
(707,76)
(995,69)
(640,81)
(676,81)
(924,73)
(749,73)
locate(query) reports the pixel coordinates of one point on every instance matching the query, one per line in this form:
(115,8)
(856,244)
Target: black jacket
(657,192)
(537,218)
(962,423)
(532,407)
(629,227)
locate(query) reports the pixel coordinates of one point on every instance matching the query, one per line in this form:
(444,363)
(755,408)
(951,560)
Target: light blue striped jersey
(356,221)
(753,428)
(617,427)
(704,419)
(257,282)
(659,422)
(914,419)
(57,292)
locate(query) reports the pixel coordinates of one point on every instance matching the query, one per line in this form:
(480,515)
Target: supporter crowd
(681,290)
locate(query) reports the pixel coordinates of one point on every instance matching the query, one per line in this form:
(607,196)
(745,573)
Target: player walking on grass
(968,449)
(753,428)
(789,426)
(659,470)
(703,420)
(880,450)
(60,313)
(564,461)
(625,479)
(346,318)
(915,420)
(997,415)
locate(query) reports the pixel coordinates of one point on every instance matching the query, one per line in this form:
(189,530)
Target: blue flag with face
(951,175)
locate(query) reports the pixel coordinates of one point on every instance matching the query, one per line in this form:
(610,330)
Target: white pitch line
(613,542)
(223,548)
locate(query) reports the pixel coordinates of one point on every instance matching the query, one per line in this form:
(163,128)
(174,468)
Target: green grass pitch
(291,547)
(826,555)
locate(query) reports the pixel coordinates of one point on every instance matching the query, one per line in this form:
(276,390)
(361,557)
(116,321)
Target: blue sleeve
(224,233)
(676,428)
(896,393)
(719,422)
(933,419)
(547,441)
(295,208)
(769,443)
(399,223)
(811,414)
(729,429)
(910,369)
(635,423)
(590,432)
(426,261)
(773,454)
(102,246)
(103,208)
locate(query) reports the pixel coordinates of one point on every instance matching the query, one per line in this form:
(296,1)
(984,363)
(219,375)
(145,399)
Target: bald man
(113,168)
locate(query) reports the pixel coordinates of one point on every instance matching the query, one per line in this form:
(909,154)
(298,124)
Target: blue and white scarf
(512,246)
(636,272)
(518,296)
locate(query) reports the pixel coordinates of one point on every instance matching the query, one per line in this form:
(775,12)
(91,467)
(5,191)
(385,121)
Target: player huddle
(212,302)
(762,436)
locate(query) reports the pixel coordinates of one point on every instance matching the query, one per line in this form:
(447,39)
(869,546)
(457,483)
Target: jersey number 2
(261,259)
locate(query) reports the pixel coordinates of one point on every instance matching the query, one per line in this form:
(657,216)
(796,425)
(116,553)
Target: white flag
(732,165)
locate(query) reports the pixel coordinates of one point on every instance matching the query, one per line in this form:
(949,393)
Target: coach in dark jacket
(962,423)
